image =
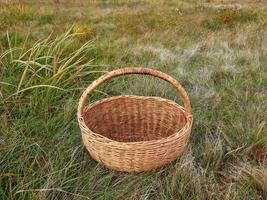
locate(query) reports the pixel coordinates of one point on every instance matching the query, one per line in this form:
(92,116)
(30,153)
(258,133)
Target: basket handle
(137,70)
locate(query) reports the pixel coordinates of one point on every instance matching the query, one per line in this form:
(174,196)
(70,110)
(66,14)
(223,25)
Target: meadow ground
(49,53)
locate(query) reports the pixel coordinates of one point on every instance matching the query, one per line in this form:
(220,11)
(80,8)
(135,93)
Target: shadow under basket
(135,133)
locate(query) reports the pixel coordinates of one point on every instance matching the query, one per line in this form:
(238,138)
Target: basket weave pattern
(135,133)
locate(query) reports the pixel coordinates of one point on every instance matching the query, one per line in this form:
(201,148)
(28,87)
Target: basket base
(134,166)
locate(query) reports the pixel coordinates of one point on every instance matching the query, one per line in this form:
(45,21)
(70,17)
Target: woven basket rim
(188,124)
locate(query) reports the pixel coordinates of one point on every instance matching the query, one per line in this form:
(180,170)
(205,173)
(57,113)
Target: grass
(47,60)
(46,19)
(227,18)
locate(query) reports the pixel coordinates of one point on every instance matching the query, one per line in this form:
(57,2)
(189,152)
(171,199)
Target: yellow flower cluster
(83,31)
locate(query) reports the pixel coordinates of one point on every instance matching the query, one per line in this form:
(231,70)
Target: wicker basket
(135,133)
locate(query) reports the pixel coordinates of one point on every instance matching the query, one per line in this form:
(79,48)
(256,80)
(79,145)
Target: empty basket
(135,133)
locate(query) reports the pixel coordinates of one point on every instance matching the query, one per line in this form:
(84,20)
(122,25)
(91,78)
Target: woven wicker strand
(135,133)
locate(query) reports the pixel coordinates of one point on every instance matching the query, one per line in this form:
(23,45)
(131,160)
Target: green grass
(47,60)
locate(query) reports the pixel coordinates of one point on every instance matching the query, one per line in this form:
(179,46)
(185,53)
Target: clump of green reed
(50,64)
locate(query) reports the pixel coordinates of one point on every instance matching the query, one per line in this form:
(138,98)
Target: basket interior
(134,119)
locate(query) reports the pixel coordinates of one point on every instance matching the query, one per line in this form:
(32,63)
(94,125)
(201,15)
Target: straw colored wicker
(135,133)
